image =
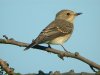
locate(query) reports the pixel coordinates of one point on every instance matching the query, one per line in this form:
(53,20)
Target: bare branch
(6,68)
(61,54)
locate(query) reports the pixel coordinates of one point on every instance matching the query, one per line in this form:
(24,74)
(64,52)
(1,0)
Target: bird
(58,31)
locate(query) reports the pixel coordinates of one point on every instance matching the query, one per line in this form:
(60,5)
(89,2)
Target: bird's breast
(59,40)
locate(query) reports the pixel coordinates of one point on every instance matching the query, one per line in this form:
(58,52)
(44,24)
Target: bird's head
(67,15)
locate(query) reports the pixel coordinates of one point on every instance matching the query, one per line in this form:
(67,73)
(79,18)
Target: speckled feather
(55,29)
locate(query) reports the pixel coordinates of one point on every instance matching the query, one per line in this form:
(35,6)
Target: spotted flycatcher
(58,31)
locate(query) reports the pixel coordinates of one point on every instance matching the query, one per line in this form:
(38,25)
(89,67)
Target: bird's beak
(78,14)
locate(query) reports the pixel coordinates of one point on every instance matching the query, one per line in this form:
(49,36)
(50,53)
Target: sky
(23,20)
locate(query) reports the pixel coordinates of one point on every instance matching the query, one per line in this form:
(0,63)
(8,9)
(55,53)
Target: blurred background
(23,20)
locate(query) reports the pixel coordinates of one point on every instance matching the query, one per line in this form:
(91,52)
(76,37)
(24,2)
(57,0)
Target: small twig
(93,69)
(5,37)
(61,57)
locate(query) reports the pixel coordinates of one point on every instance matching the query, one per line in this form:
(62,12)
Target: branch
(60,54)
(5,67)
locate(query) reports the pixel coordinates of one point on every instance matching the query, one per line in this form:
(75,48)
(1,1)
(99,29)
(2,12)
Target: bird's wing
(53,30)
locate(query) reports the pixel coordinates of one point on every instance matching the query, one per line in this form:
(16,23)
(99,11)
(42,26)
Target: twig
(93,69)
(5,37)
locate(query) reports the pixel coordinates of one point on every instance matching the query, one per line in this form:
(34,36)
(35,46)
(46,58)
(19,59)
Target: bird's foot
(64,48)
(49,46)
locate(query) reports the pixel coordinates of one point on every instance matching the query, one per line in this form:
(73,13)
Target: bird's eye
(68,14)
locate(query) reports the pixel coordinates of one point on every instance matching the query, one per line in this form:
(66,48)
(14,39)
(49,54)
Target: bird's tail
(31,45)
